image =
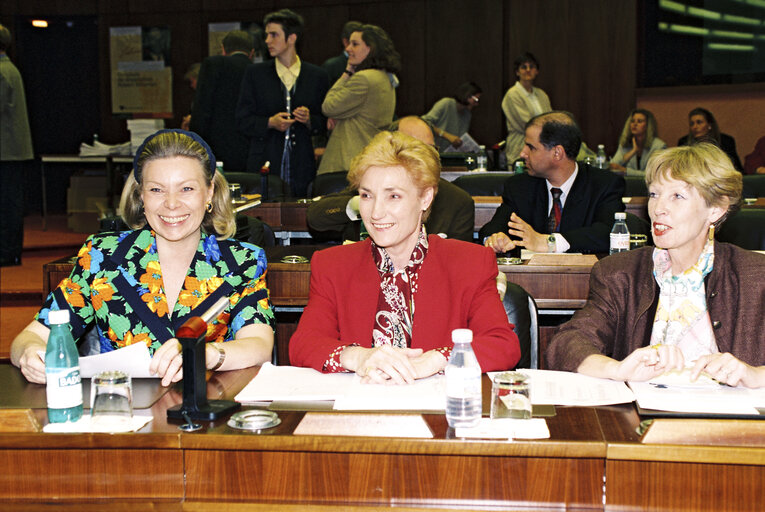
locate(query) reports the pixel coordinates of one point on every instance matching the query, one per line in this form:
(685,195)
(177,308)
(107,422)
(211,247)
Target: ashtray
(294,258)
(509,261)
(254,420)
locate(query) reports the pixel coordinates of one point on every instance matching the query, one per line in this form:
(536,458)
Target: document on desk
(548,387)
(427,394)
(133,359)
(698,398)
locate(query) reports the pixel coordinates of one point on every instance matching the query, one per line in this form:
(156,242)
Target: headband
(192,135)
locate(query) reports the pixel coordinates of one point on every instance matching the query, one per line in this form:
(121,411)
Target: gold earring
(209,207)
(711,232)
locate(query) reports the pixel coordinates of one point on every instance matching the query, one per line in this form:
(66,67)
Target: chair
(745,228)
(522,312)
(254,231)
(328,183)
(754,185)
(251,184)
(635,186)
(482,183)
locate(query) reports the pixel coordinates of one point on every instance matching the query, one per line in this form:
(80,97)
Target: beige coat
(363,105)
(15,136)
(518,109)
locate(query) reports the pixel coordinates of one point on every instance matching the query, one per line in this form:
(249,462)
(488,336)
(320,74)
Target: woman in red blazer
(385,307)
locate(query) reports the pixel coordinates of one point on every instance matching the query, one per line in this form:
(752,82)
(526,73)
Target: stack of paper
(100,149)
(142,128)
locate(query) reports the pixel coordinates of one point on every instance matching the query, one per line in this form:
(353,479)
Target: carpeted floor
(21,286)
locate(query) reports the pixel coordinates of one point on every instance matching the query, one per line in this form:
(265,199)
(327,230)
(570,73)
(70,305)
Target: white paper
(427,394)
(85,424)
(700,398)
(290,383)
(548,387)
(133,360)
(469,145)
(506,428)
(367,425)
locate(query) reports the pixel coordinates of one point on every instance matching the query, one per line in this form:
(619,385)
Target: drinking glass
(111,396)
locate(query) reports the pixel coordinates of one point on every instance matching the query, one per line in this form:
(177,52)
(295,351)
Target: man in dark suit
(560,205)
(335,66)
(279,106)
(213,115)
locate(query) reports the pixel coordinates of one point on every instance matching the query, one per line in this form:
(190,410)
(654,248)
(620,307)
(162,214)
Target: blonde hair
(703,166)
(220,221)
(395,149)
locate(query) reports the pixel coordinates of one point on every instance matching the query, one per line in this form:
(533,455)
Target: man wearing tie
(280,106)
(560,205)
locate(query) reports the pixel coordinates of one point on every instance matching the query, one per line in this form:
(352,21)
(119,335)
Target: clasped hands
(391,365)
(281,121)
(528,238)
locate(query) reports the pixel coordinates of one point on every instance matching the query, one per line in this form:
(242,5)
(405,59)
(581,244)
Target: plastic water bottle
(482,160)
(62,371)
(463,382)
(620,235)
(601,160)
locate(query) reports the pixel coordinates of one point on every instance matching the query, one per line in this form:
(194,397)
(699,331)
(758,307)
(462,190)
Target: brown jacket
(618,316)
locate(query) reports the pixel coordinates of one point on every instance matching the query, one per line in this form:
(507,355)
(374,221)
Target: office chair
(328,183)
(522,313)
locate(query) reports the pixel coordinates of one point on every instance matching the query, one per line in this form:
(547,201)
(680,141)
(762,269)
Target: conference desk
(593,460)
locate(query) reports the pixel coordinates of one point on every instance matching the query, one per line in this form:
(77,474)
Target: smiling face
(174,195)
(680,220)
(391,206)
(699,126)
(357,49)
(638,125)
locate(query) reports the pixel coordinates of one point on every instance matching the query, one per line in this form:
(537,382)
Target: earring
(209,207)
(711,232)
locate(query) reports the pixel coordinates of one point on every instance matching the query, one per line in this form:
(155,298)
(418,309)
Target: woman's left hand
(167,362)
(727,369)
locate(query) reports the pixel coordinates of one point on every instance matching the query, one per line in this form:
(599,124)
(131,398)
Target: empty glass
(111,400)
(236,192)
(510,396)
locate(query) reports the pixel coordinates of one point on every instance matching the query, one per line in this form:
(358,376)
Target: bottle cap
(462,336)
(620,216)
(60,316)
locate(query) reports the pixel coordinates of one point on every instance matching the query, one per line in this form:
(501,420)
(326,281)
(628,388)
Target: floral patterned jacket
(116,283)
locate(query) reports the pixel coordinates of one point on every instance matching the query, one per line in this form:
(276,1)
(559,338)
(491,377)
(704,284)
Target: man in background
(335,66)
(214,113)
(15,152)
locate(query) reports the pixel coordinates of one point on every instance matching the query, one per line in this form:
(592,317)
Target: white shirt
(288,75)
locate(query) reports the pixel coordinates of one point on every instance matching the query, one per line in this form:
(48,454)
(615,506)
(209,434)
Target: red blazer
(457,289)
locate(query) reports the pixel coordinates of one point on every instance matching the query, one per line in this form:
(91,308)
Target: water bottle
(62,371)
(463,382)
(482,160)
(620,235)
(519,167)
(601,160)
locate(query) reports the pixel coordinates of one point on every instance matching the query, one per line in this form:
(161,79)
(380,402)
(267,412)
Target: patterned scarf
(682,318)
(395,304)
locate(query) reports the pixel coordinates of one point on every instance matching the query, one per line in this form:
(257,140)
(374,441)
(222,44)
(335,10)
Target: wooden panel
(391,479)
(81,473)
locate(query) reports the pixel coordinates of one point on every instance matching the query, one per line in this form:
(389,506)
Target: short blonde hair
(703,166)
(220,221)
(396,149)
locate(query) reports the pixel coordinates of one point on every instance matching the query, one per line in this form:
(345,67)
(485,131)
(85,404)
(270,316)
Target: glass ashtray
(254,420)
(294,258)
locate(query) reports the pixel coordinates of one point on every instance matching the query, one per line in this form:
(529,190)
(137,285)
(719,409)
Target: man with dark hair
(213,115)
(15,150)
(560,205)
(334,66)
(279,106)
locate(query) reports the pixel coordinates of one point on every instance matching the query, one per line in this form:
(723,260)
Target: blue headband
(193,135)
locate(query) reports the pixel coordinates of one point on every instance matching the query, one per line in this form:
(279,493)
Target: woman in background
(702,127)
(140,286)
(362,101)
(450,117)
(639,138)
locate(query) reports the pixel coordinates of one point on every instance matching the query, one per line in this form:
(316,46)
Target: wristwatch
(551,244)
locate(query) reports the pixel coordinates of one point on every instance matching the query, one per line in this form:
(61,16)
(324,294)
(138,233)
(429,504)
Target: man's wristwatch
(551,245)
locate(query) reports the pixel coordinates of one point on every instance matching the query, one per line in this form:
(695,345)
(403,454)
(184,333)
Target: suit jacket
(452,213)
(363,105)
(335,66)
(621,306)
(262,95)
(456,289)
(587,216)
(213,115)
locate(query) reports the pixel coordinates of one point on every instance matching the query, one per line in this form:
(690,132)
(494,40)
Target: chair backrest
(482,183)
(522,313)
(754,185)
(745,228)
(251,184)
(635,186)
(328,183)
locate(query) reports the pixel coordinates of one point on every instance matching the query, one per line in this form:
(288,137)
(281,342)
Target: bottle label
(620,241)
(64,387)
(463,382)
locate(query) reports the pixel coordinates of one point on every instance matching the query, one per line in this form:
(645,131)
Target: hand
(186,122)
(454,140)
(331,122)
(30,364)
(529,238)
(381,365)
(167,362)
(303,115)
(280,121)
(500,242)
(727,369)
(429,363)
(649,362)
(760,170)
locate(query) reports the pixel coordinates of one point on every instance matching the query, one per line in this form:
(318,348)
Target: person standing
(279,106)
(15,151)
(214,113)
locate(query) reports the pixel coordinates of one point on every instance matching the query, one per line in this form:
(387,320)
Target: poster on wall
(140,71)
